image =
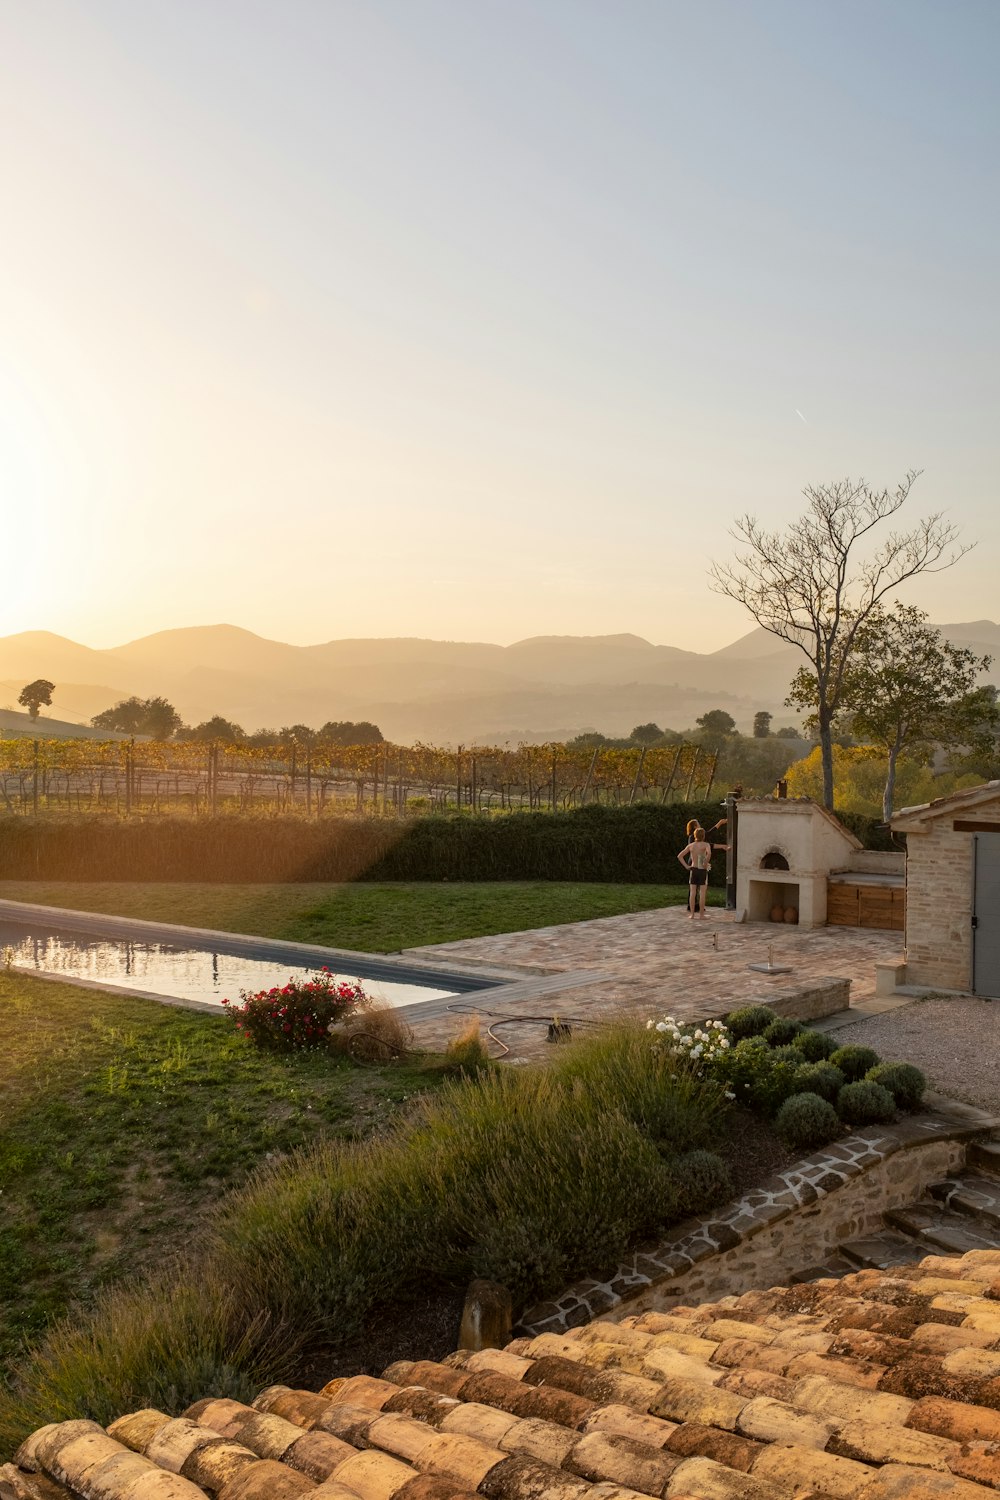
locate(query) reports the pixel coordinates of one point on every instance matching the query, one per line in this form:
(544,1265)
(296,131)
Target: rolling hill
(544,687)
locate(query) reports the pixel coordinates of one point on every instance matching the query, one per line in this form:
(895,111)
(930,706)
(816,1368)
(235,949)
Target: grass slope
(122,1121)
(369,918)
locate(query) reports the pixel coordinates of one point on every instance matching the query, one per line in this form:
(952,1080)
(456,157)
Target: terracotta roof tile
(883,1386)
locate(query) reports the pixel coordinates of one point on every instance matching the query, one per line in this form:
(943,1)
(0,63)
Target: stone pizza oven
(786,851)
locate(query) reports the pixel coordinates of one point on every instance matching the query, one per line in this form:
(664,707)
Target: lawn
(370,918)
(122,1121)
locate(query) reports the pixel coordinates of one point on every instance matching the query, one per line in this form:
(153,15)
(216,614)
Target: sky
(482,319)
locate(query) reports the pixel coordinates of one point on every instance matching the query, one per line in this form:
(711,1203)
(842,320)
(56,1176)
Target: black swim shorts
(699,877)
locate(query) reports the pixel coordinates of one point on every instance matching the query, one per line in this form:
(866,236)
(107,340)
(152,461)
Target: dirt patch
(752,1151)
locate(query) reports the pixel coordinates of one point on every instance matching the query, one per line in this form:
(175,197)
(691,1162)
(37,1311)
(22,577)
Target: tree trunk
(826,750)
(890,783)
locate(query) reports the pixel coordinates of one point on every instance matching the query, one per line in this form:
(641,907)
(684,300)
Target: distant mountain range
(443,692)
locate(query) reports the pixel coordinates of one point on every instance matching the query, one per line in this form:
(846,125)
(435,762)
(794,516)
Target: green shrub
(820,1078)
(704,1180)
(815,1046)
(865,1103)
(854,1061)
(749,1020)
(788,1054)
(758,1079)
(782,1031)
(805,1121)
(905,1083)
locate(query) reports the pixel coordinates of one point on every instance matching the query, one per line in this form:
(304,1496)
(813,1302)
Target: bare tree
(816,583)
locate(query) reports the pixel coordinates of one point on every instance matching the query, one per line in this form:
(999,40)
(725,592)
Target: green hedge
(635,844)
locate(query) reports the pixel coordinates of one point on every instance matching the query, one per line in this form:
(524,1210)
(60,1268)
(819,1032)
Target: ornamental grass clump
(865,1103)
(298,1015)
(905,1083)
(666,1093)
(815,1046)
(854,1062)
(806,1121)
(749,1020)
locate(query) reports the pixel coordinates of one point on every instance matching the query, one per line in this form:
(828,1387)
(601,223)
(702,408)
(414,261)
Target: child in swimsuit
(696,858)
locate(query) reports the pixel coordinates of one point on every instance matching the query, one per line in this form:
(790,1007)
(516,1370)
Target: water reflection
(183,973)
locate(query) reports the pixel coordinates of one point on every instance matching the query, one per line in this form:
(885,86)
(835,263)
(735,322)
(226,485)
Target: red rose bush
(300,1014)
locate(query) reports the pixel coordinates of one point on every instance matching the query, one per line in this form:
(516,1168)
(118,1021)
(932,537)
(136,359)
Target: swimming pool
(203,968)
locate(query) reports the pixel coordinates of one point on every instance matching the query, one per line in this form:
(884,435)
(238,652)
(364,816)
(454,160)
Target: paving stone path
(654,962)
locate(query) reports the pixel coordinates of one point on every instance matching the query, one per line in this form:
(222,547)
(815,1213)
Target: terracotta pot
(777,913)
(791,914)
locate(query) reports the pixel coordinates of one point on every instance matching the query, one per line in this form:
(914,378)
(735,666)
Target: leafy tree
(981,756)
(301,734)
(787,732)
(646,734)
(153,716)
(215,729)
(815,584)
(347,732)
(860,773)
(715,728)
(906,689)
(35,694)
(762,724)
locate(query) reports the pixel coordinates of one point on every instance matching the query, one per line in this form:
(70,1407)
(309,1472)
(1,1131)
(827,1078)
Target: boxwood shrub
(854,1062)
(865,1103)
(805,1121)
(905,1083)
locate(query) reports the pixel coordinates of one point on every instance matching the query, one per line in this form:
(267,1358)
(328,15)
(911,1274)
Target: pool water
(184,973)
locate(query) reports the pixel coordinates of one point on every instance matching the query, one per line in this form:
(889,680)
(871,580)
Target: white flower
(661,1025)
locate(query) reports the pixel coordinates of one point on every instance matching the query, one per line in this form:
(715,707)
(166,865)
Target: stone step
(931,1224)
(878,1252)
(985,1155)
(835,1266)
(977,1197)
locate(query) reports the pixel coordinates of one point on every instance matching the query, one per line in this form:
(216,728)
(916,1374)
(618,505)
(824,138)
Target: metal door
(986,917)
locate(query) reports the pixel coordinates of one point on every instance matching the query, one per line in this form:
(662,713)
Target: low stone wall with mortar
(824,997)
(795,1219)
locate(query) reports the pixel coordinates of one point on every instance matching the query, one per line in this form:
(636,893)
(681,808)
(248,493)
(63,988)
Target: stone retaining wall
(824,997)
(794,1220)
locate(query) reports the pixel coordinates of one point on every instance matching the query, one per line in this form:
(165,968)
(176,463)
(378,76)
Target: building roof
(908,819)
(878,1386)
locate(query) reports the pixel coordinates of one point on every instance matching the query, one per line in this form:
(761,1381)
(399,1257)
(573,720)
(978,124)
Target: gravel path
(956,1042)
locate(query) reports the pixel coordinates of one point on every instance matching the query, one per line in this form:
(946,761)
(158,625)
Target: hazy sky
(482,318)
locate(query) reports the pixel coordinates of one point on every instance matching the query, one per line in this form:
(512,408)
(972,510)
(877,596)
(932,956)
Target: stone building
(953,891)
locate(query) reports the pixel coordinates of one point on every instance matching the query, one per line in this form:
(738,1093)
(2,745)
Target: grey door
(986,917)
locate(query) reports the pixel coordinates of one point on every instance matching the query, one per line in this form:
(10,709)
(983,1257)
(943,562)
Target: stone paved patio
(648,963)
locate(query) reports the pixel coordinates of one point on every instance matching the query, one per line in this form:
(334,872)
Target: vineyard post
(475,804)
(711,775)
(635,779)
(385,784)
(458,777)
(309,781)
(694,767)
(554,762)
(291,778)
(213,751)
(673,770)
(34,791)
(590,773)
(128,777)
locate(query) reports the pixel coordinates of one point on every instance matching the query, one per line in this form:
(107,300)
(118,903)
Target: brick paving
(650,963)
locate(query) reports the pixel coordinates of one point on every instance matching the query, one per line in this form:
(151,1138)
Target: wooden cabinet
(863,905)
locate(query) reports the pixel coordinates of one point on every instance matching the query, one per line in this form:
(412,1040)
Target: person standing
(696,857)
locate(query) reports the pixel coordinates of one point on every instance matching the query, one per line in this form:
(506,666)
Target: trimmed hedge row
(597,843)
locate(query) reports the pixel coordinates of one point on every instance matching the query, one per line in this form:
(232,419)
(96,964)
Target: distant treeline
(596,842)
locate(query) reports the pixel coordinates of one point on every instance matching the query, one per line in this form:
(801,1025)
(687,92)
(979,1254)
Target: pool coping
(500,985)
